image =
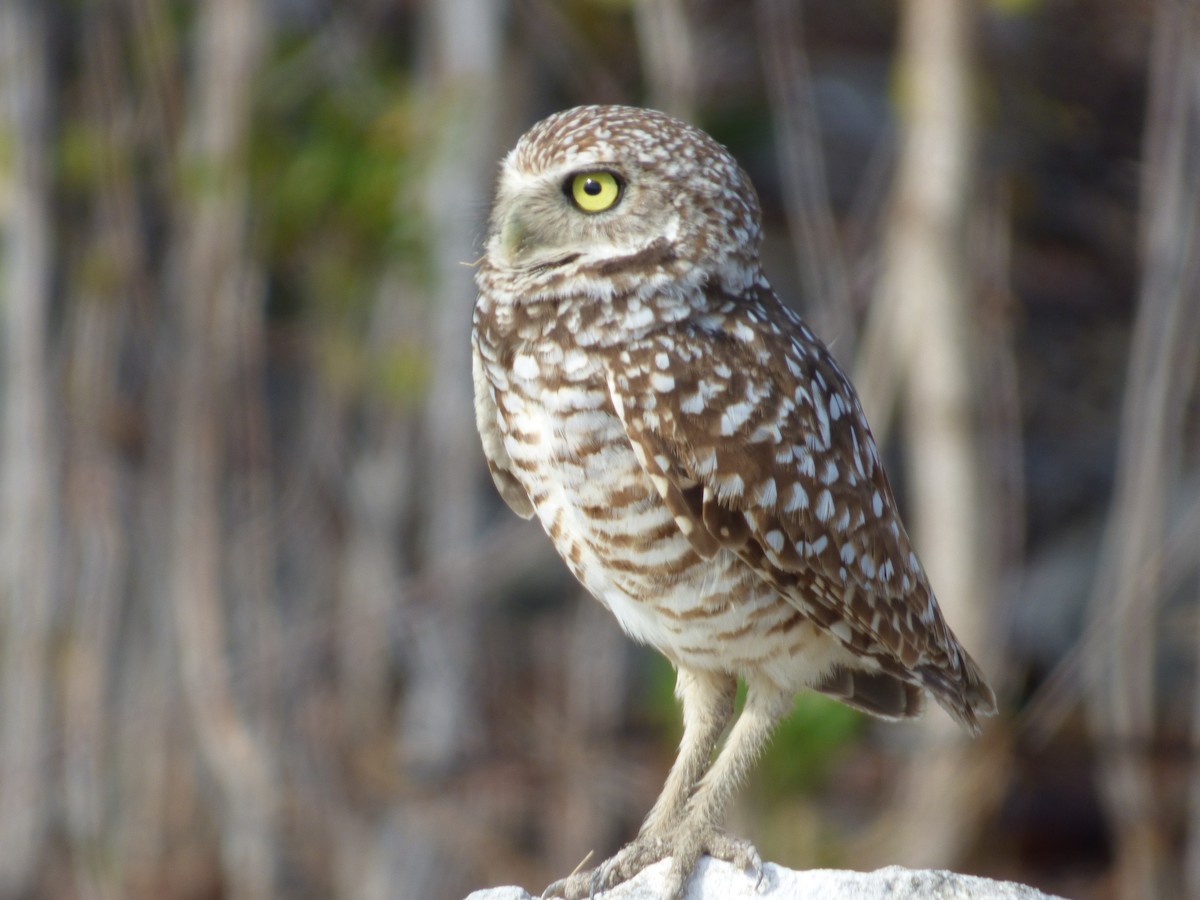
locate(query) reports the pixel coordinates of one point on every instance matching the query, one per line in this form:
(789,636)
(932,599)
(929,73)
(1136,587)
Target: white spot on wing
(707,464)
(692,404)
(639,318)
(857,454)
(822,413)
(743,332)
(824,508)
(575,360)
(767,432)
(661,382)
(797,498)
(830,473)
(734,417)
(730,486)
(525,366)
(804,461)
(767,494)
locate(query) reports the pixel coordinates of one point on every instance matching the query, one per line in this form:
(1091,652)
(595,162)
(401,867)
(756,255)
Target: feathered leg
(699,831)
(707,708)
(685,821)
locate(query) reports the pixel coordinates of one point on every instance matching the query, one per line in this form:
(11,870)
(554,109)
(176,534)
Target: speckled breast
(571,455)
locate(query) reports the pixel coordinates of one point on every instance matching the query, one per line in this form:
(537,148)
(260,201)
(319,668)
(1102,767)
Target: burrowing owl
(696,455)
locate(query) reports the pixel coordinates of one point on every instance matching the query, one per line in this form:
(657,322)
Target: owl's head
(613,190)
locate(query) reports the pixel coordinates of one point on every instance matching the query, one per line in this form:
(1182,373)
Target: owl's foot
(683,845)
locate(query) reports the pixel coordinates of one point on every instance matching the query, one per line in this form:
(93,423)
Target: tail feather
(961,691)
(877,693)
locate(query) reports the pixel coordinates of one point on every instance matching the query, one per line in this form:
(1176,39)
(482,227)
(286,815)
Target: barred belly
(571,454)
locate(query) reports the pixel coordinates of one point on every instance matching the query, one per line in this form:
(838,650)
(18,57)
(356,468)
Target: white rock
(718,880)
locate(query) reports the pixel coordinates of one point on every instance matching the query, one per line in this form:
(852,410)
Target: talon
(684,845)
(570,888)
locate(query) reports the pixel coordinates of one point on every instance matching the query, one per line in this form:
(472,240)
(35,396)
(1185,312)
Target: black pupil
(591,187)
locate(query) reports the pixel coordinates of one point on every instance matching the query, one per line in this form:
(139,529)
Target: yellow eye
(595,191)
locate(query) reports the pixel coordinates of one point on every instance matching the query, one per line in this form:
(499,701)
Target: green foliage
(658,703)
(401,374)
(334,164)
(808,743)
(336,160)
(1015,7)
(81,150)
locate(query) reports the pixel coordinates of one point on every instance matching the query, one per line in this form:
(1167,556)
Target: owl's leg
(685,822)
(700,832)
(707,700)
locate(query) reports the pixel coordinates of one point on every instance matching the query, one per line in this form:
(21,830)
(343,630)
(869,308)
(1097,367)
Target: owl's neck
(599,313)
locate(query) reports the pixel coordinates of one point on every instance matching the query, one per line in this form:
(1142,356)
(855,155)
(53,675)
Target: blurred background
(266,629)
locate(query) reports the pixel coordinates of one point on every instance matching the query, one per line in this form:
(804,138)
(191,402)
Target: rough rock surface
(717,880)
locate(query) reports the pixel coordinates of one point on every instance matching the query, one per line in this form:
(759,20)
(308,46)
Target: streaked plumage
(695,454)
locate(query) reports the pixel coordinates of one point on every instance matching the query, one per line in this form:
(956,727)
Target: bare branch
(28,451)
(666,45)
(927,326)
(1121,692)
(819,258)
(211,281)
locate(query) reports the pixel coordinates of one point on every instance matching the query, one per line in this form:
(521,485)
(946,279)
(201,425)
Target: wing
(487,421)
(757,442)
